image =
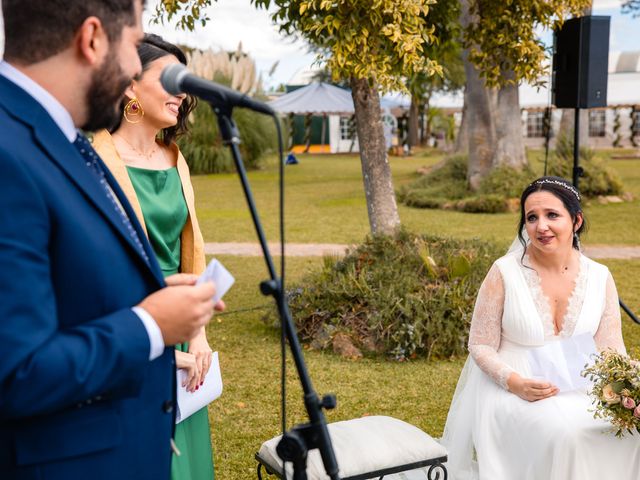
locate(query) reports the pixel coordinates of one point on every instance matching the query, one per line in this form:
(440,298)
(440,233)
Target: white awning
(317,99)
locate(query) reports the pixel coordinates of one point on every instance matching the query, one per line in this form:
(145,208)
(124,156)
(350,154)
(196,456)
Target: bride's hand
(529,389)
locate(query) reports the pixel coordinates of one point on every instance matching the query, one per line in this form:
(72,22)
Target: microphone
(177,79)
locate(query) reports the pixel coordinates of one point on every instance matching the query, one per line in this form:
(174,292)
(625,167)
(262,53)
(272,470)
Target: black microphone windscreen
(171,78)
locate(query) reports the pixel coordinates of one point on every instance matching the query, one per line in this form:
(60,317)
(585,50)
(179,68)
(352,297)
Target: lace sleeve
(486,328)
(609,334)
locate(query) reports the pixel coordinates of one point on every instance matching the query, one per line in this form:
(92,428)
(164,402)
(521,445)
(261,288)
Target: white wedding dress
(493,434)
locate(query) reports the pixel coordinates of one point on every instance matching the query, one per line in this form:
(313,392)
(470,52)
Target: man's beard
(105,95)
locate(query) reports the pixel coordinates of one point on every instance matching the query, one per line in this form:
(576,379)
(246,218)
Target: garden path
(320,249)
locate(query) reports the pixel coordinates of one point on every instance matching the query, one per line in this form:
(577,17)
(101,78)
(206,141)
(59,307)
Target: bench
(367,448)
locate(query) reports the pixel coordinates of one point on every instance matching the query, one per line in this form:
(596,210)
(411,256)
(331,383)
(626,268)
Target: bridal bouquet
(616,390)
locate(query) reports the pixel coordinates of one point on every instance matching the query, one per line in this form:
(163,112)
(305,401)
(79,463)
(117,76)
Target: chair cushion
(364,445)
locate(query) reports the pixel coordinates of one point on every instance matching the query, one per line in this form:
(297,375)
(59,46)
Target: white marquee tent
(317,98)
(324,100)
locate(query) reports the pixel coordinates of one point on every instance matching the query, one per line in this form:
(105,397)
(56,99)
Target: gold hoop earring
(133,111)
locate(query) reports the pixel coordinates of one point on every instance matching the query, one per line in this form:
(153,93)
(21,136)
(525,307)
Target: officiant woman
(144,158)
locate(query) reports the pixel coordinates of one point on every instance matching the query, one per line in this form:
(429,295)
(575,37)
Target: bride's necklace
(563,268)
(140,152)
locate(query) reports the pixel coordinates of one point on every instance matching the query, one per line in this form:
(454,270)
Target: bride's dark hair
(566,192)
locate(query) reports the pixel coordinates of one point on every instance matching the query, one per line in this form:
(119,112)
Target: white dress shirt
(63,120)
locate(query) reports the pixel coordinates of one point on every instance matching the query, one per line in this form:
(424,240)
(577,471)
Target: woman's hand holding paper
(187,362)
(529,389)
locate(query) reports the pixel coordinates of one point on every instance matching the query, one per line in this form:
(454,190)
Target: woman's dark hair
(150,49)
(566,192)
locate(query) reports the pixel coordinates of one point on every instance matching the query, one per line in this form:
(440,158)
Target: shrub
(405,295)
(506,181)
(492,203)
(598,179)
(422,199)
(445,182)
(446,186)
(203,149)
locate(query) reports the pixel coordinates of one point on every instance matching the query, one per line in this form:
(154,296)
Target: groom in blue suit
(87,322)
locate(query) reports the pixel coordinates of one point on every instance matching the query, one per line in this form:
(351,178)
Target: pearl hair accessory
(557,182)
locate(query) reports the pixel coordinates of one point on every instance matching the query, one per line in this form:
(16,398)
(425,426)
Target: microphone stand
(296,442)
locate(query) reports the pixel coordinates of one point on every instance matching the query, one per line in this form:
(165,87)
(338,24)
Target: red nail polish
(197,387)
(201,383)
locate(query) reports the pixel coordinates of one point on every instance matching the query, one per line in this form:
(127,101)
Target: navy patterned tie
(91,160)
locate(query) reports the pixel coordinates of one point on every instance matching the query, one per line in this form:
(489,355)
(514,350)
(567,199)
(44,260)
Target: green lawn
(326,204)
(249,410)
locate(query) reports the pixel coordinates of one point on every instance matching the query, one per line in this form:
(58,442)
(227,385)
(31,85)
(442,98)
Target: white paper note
(220,276)
(560,362)
(191,402)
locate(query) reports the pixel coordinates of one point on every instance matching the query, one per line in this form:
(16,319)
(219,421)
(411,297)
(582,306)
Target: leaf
(459,266)
(428,261)
(617,386)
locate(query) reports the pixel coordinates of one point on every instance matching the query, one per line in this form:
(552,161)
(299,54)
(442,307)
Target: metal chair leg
(436,469)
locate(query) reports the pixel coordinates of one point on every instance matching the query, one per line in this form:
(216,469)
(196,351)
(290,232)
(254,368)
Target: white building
(616,125)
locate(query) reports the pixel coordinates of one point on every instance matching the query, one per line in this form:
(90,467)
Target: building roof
(315,98)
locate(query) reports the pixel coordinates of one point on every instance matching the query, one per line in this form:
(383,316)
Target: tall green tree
(374,44)
(446,50)
(187,13)
(502,50)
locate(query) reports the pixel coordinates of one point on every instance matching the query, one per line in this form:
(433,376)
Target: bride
(503,424)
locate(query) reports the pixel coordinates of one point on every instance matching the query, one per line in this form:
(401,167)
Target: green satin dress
(165,213)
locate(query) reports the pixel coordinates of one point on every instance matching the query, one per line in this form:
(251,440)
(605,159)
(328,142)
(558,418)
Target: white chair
(367,448)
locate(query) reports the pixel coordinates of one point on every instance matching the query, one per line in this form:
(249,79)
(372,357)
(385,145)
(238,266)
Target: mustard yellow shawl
(192,259)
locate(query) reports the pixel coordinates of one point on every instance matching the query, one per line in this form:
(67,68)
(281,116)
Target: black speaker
(581,63)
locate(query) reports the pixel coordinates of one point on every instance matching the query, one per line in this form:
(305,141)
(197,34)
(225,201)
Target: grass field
(326,204)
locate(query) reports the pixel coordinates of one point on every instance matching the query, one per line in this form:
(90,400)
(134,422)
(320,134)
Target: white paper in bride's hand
(220,276)
(560,362)
(188,402)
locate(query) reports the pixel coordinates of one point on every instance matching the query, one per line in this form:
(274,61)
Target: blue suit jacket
(79,397)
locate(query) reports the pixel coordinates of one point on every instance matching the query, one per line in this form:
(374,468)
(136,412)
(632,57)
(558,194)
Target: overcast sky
(234,21)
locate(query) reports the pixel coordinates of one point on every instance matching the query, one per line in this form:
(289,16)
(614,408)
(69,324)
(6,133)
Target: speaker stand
(578,171)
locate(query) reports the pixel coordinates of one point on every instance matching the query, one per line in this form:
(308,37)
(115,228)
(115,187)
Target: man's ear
(92,41)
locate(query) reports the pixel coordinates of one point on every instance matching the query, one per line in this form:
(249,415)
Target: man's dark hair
(38,29)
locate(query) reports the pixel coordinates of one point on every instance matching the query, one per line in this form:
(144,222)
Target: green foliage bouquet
(616,390)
